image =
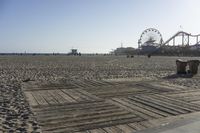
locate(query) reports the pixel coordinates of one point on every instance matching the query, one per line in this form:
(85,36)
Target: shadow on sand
(174,76)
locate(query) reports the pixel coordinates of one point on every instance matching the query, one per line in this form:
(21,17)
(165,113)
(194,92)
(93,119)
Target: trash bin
(181,66)
(193,66)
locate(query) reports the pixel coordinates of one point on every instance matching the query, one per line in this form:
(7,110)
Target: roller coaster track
(178,44)
(183,35)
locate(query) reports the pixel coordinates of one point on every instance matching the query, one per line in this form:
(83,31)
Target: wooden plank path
(91,106)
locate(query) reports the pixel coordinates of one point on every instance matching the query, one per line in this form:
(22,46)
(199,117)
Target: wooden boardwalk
(91,106)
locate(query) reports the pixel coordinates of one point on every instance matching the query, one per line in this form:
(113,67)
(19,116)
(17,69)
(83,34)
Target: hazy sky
(90,25)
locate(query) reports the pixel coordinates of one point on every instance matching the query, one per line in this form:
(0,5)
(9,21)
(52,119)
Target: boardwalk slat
(145,107)
(93,124)
(70,106)
(88,94)
(167,105)
(48,97)
(31,99)
(113,129)
(97,131)
(126,129)
(57,96)
(175,104)
(182,103)
(126,107)
(96,106)
(137,126)
(155,105)
(40,100)
(138,109)
(79,115)
(88,118)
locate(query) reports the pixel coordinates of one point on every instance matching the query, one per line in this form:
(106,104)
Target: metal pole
(174,41)
(182,39)
(188,40)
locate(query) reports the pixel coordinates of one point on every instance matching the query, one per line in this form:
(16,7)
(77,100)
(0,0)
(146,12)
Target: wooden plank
(181,103)
(138,109)
(191,98)
(113,129)
(102,83)
(194,93)
(91,83)
(145,107)
(88,94)
(74,95)
(196,102)
(118,94)
(80,105)
(97,131)
(91,106)
(166,104)
(82,132)
(31,99)
(66,96)
(177,87)
(154,105)
(78,109)
(40,100)
(180,93)
(83,94)
(137,126)
(165,86)
(74,113)
(126,107)
(97,83)
(58,98)
(175,104)
(78,114)
(112,89)
(87,118)
(48,97)
(81,84)
(152,88)
(147,124)
(91,124)
(126,129)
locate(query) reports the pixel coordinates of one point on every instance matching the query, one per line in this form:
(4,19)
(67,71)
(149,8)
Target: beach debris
(27,80)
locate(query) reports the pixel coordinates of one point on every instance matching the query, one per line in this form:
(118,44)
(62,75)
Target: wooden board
(93,106)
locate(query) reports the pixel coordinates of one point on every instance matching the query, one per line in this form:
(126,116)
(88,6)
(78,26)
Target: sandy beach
(16,113)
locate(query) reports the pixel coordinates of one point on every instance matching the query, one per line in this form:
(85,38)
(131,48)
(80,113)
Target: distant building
(195,47)
(124,51)
(74,52)
(149,47)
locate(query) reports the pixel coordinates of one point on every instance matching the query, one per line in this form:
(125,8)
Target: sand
(15,112)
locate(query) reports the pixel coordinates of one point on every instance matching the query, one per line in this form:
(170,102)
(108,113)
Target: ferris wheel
(150,37)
